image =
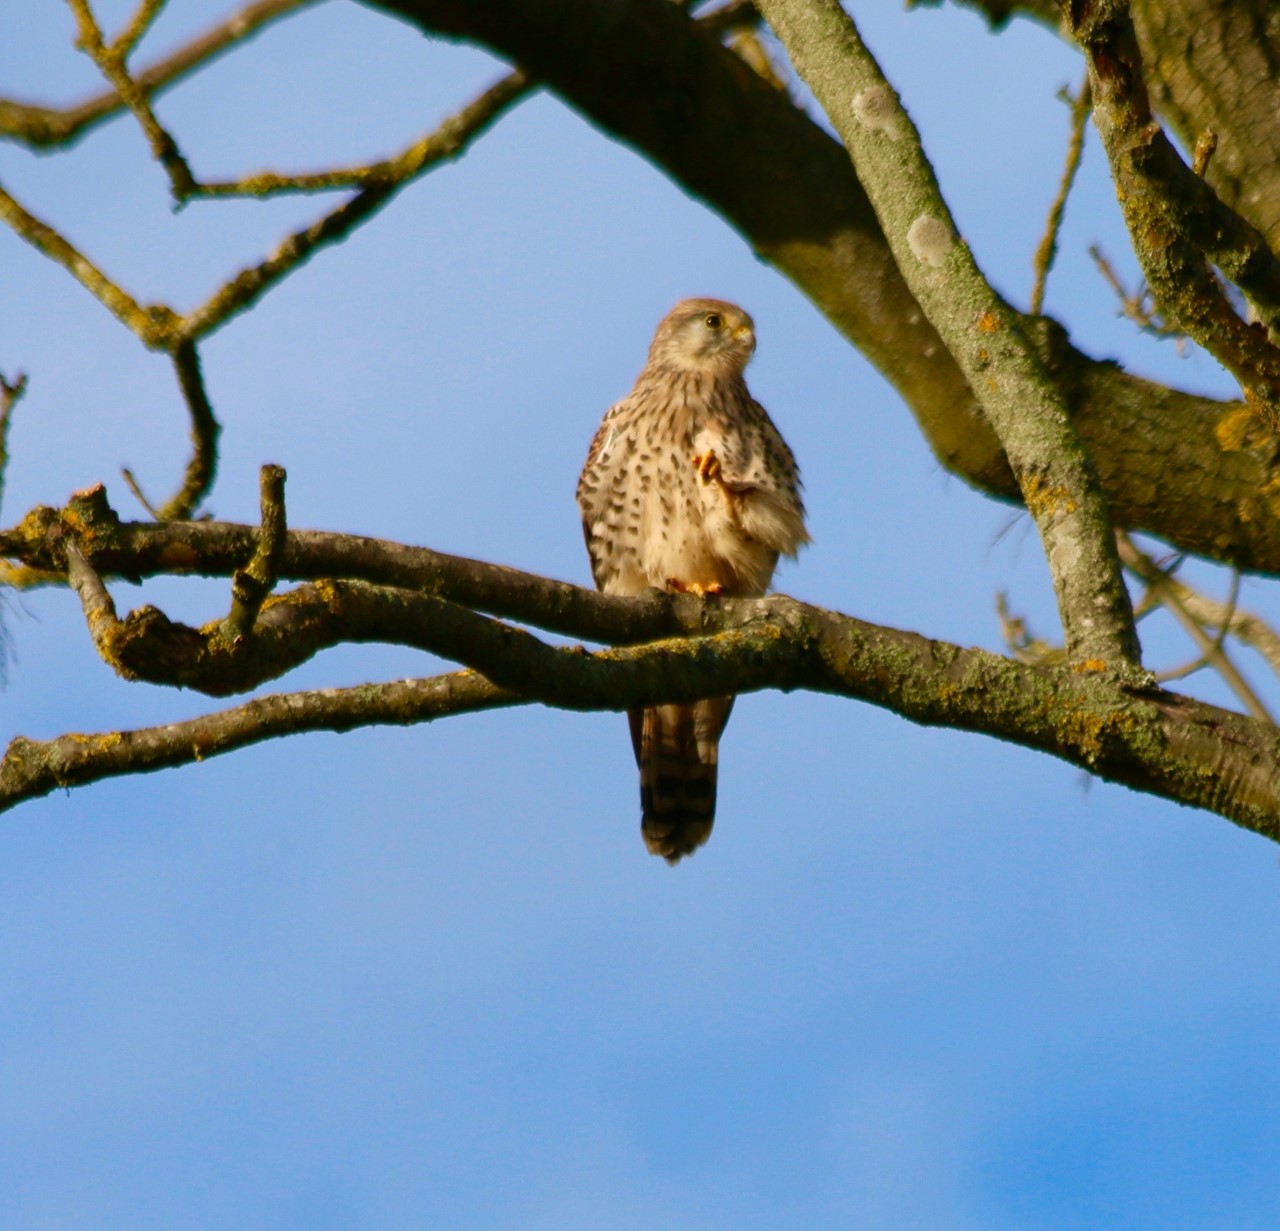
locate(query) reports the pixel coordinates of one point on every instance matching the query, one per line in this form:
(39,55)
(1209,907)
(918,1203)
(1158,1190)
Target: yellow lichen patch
(1086,729)
(1262,407)
(1241,428)
(1045,500)
(949,693)
(988,322)
(20,577)
(1089,666)
(1270,493)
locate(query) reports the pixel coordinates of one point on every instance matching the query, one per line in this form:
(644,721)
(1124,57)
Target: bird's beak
(746,334)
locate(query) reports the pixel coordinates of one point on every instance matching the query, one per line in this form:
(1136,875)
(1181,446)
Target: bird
(688,487)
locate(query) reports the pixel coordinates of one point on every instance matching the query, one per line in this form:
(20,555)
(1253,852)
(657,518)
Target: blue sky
(402,978)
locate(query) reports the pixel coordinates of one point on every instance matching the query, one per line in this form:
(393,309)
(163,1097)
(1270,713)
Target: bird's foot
(708,466)
(712,588)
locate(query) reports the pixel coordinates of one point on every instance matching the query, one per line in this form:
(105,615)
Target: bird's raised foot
(708,466)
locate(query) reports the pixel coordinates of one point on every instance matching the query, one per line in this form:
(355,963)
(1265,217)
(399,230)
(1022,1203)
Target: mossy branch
(1181,231)
(662,647)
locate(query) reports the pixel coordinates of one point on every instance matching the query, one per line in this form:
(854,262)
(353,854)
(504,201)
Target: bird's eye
(713,320)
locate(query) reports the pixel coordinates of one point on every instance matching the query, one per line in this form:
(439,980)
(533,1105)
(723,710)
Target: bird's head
(706,334)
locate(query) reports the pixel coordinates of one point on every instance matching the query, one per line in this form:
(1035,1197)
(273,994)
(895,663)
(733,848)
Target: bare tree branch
(449,141)
(1179,227)
(203,465)
(11,393)
(45,127)
(111,63)
(34,768)
(251,584)
(1143,737)
(1163,590)
(158,327)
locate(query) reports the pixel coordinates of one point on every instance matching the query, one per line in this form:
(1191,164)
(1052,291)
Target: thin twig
(157,326)
(111,63)
(1211,650)
(44,126)
(11,393)
(131,482)
(1048,247)
(448,141)
(123,44)
(205,429)
(1138,306)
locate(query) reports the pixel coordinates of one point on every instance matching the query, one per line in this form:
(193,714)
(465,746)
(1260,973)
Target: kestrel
(688,486)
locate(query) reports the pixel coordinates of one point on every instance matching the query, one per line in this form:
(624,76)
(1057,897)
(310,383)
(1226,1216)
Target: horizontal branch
(33,768)
(1146,738)
(136,550)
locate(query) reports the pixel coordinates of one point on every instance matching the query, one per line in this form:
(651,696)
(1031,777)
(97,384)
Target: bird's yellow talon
(708,466)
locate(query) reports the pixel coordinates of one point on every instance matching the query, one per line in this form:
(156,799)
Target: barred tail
(677,750)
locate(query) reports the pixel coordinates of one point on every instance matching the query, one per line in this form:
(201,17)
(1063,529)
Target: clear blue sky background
(429,977)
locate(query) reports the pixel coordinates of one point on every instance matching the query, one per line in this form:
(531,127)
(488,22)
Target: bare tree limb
(34,768)
(449,141)
(1172,464)
(1179,227)
(123,45)
(110,60)
(11,393)
(157,326)
(205,429)
(1146,738)
(43,127)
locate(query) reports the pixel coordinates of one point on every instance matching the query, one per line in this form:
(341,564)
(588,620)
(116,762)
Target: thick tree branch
(1179,227)
(1022,401)
(1146,738)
